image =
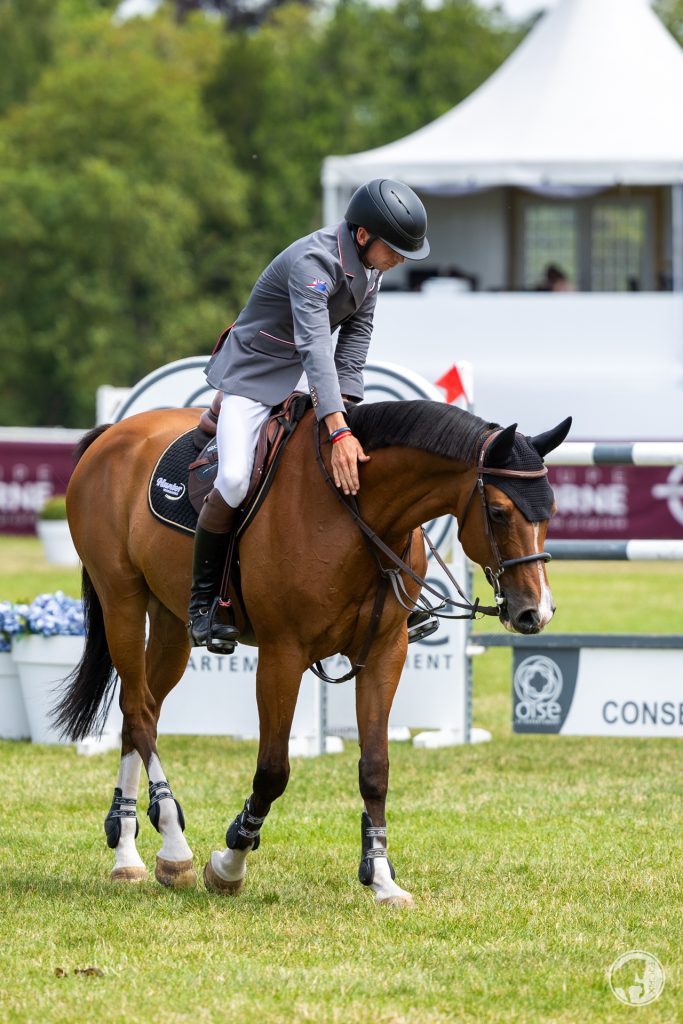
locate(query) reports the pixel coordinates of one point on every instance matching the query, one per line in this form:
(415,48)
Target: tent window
(618,241)
(602,244)
(550,237)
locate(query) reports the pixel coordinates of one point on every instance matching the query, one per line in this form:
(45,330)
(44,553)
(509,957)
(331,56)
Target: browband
(492,471)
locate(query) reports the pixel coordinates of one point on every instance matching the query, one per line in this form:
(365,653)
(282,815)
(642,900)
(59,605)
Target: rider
(326,280)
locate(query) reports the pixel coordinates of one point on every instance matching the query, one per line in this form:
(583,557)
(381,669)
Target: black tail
(87,695)
(84,704)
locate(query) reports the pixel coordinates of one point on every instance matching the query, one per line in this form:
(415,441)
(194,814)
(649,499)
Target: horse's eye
(498,514)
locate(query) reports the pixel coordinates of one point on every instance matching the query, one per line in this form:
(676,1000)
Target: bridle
(394,575)
(493,575)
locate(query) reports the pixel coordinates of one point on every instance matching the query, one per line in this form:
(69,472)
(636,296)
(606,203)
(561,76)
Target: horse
(309,586)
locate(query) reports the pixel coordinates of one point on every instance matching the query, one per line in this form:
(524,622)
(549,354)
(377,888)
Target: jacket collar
(352,265)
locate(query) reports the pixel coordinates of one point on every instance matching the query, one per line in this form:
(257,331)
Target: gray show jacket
(316,285)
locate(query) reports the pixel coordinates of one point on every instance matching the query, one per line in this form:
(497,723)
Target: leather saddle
(273,436)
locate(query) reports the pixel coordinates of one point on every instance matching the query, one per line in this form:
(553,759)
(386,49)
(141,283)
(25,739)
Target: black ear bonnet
(533,497)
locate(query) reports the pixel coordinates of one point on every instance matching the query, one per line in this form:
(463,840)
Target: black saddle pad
(167,494)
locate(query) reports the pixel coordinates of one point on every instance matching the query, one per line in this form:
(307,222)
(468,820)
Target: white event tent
(590,100)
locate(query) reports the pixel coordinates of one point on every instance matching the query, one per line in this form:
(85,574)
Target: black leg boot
(211,543)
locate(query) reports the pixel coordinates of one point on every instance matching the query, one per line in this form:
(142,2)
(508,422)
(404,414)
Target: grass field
(535,862)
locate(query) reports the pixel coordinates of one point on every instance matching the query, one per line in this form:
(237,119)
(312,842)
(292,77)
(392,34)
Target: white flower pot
(13,719)
(57,543)
(43,663)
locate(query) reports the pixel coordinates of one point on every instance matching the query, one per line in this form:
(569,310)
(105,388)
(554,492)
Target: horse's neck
(401,488)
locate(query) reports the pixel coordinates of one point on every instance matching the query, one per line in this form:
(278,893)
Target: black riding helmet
(392,212)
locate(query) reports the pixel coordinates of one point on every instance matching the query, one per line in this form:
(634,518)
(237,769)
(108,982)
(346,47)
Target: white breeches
(239,422)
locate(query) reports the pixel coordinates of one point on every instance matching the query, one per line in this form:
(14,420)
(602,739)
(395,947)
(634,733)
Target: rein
(394,577)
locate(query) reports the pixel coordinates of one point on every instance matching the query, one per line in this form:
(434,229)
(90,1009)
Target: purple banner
(594,502)
(30,473)
(617,503)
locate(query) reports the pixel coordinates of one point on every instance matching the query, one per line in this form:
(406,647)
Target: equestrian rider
(282,341)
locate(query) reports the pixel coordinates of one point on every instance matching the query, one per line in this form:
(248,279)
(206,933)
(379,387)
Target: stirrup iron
(421,624)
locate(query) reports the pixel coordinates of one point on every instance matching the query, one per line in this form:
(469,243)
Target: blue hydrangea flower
(12,622)
(55,615)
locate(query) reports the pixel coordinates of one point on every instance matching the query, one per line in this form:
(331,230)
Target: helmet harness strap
(362,249)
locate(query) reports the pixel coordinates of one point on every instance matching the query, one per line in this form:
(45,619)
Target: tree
(304,86)
(671,13)
(237,14)
(121,220)
(26,43)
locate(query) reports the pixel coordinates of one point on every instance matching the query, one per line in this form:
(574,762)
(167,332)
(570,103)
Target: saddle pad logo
(171,491)
(318,285)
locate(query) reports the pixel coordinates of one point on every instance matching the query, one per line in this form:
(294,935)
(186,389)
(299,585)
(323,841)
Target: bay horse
(309,584)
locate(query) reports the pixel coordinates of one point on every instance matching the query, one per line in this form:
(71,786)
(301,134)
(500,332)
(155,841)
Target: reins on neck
(394,576)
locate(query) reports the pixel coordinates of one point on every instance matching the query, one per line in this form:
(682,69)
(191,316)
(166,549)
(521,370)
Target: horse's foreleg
(375,689)
(277,687)
(121,824)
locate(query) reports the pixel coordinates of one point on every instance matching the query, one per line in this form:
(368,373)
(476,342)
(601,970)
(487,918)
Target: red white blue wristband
(338,434)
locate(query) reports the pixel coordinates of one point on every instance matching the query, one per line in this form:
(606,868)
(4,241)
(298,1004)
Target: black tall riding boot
(211,543)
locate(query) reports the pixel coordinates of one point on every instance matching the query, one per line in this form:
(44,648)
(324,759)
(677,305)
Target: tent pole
(677,237)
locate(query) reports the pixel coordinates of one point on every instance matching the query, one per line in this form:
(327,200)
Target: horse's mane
(433,426)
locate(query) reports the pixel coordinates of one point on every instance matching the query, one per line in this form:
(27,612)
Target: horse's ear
(500,449)
(544,443)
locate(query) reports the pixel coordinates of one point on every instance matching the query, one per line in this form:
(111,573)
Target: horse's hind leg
(162,664)
(375,689)
(277,686)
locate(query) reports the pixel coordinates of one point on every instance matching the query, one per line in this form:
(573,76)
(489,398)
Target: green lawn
(535,862)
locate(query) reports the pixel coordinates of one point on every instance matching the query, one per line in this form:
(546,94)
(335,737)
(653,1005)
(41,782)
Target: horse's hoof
(404,900)
(176,874)
(132,874)
(214,882)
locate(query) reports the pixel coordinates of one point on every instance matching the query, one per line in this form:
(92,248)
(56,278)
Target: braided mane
(432,426)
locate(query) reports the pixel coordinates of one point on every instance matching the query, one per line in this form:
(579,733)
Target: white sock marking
(128,780)
(174,846)
(231,865)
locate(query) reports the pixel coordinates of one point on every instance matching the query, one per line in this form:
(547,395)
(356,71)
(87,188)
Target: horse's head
(505,531)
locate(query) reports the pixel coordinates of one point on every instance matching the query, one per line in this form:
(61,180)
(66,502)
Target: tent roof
(592,96)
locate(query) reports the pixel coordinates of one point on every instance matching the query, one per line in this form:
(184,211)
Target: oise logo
(538,684)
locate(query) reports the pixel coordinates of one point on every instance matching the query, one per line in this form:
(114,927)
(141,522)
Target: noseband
(493,575)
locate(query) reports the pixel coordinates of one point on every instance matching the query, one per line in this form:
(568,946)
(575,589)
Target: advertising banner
(617,502)
(599,686)
(33,468)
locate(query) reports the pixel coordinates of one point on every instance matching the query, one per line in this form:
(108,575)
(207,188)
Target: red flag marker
(452,384)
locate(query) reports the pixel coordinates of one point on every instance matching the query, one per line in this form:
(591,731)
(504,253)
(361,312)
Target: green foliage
(149,170)
(54,508)
(26,43)
(306,86)
(120,214)
(671,13)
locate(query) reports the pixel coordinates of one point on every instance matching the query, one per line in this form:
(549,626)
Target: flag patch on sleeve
(318,285)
